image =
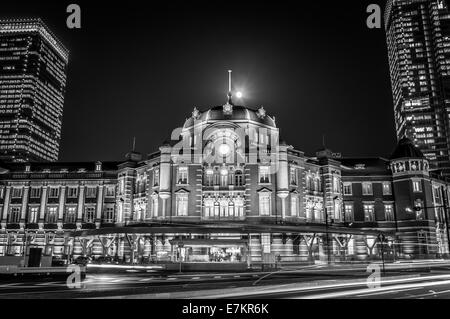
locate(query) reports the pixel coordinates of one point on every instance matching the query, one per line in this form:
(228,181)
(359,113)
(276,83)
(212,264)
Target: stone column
(99,209)
(42,207)
(165,178)
(283,178)
(23,213)
(80,204)
(6,206)
(62,199)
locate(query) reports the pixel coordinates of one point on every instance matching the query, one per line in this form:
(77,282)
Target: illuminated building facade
(33,67)
(418,41)
(227,193)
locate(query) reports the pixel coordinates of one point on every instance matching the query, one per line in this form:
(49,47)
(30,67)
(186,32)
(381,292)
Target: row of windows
(369,212)
(70,215)
(53,192)
(367,188)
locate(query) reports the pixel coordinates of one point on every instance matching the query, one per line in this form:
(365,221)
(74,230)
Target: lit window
(294,205)
(70,216)
(33,213)
(369,213)
(182,204)
(389,212)
(387,188)
(336,184)
(264,204)
(264,174)
(156,177)
(182,175)
(154,210)
(348,212)
(417,186)
(293,176)
(347,188)
(367,188)
(52,215)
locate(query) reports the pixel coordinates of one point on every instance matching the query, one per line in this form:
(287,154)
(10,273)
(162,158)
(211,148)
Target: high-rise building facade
(33,70)
(418,41)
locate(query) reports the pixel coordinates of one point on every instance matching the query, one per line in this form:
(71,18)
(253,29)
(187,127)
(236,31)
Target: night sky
(139,70)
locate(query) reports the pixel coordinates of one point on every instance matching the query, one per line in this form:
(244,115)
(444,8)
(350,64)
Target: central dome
(238,114)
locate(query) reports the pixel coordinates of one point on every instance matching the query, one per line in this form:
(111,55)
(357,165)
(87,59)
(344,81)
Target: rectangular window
(71,215)
(53,192)
(72,192)
(89,214)
(294,205)
(91,192)
(367,189)
(387,188)
(156,178)
(348,212)
(182,175)
(347,189)
(2,192)
(336,184)
(264,204)
(33,213)
(110,191)
(108,214)
(16,192)
(52,215)
(182,204)
(369,213)
(264,174)
(293,176)
(389,212)
(14,215)
(417,186)
(35,192)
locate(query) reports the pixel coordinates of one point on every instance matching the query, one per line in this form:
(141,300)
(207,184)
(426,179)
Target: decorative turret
(408,159)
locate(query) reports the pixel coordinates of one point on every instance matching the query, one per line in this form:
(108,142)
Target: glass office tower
(33,68)
(418,41)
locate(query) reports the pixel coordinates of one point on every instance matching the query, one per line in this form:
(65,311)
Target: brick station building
(228,192)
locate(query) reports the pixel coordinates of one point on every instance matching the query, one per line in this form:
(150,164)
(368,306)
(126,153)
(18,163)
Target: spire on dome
(228,107)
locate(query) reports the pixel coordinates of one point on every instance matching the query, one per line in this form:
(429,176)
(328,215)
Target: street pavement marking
(237,276)
(172,278)
(146,279)
(217,277)
(195,278)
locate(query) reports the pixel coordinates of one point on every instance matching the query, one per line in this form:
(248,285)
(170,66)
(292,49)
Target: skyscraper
(33,67)
(418,41)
